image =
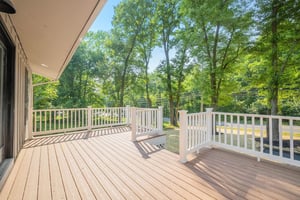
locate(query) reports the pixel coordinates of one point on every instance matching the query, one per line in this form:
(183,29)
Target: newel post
(89,118)
(160,118)
(183,135)
(209,121)
(133,123)
(30,123)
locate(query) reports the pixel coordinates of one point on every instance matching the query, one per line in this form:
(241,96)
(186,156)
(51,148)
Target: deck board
(44,189)
(91,160)
(92,181)
(107,169)
(105,164)
(188,190)
(57,187)
(80,178)
(31,189)
(17,190)
(67,177)
(11,178)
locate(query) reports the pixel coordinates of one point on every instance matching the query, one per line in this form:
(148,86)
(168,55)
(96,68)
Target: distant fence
(247,133)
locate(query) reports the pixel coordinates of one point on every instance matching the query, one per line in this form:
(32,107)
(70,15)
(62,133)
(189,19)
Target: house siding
(21,126)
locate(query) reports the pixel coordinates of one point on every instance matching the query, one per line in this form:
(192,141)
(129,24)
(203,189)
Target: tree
(220,32)
(280,40)
(168,21)
(147,40)
(78,86)
(44,92)
(181,61)
(128,22)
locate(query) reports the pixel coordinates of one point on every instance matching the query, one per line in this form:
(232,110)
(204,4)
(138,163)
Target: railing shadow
(215,173)
(83,135)
(146,149)
(224,170)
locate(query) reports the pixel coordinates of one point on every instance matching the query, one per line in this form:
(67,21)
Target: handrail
(50,121)
(252,134)
(146,121)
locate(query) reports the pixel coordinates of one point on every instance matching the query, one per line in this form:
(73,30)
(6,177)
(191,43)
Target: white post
(209,125)
(30,122)
(183,135)
(127,116)
(89,117)
(133,124)
(160,119)
(30,117)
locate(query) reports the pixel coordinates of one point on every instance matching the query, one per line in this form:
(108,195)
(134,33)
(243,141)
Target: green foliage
(220,32)
(78,86)
(44,91)
(223,54)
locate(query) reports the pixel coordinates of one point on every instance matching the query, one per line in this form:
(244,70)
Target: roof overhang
(51,30)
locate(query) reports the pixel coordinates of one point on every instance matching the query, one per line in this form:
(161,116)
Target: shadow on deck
(105,164)
(53,139)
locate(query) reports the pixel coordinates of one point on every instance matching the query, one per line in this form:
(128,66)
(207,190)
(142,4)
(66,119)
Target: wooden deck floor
(82,166)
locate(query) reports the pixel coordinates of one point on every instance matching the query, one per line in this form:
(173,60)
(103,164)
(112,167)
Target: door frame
(8,93)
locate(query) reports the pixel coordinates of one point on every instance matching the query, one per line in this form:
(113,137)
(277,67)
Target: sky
(103,23)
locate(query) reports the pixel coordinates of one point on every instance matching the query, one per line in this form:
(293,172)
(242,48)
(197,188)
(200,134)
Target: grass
(167,126)
(172,139)
(249,141)
(285,134)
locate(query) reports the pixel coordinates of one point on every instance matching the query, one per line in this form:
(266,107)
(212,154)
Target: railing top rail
(195,114)
(67,109)
(258,115)
(59,109)
(109,108)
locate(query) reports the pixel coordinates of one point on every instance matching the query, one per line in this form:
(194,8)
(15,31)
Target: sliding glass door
(3,65)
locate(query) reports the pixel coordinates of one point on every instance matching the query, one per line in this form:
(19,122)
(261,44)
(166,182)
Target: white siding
(21,130)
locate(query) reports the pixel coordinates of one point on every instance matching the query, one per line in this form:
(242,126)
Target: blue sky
(103,22)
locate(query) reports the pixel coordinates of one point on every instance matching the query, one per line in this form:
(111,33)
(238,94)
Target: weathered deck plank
(92,166)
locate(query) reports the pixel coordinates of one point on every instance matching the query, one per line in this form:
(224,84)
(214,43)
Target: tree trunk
(214,97)
(274,81)
(122,89)
(149,103)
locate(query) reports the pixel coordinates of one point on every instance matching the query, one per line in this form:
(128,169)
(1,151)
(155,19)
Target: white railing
(52,121)
(103,117)
(59,120)
(146,121)
(255,135)
(194,132)
(247,133)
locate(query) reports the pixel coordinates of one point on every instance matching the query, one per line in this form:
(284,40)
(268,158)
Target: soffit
(51,30)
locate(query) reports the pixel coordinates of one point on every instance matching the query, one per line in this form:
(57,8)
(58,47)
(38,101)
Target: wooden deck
(107,165)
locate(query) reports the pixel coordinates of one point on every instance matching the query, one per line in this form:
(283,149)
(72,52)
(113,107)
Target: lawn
(172,138)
